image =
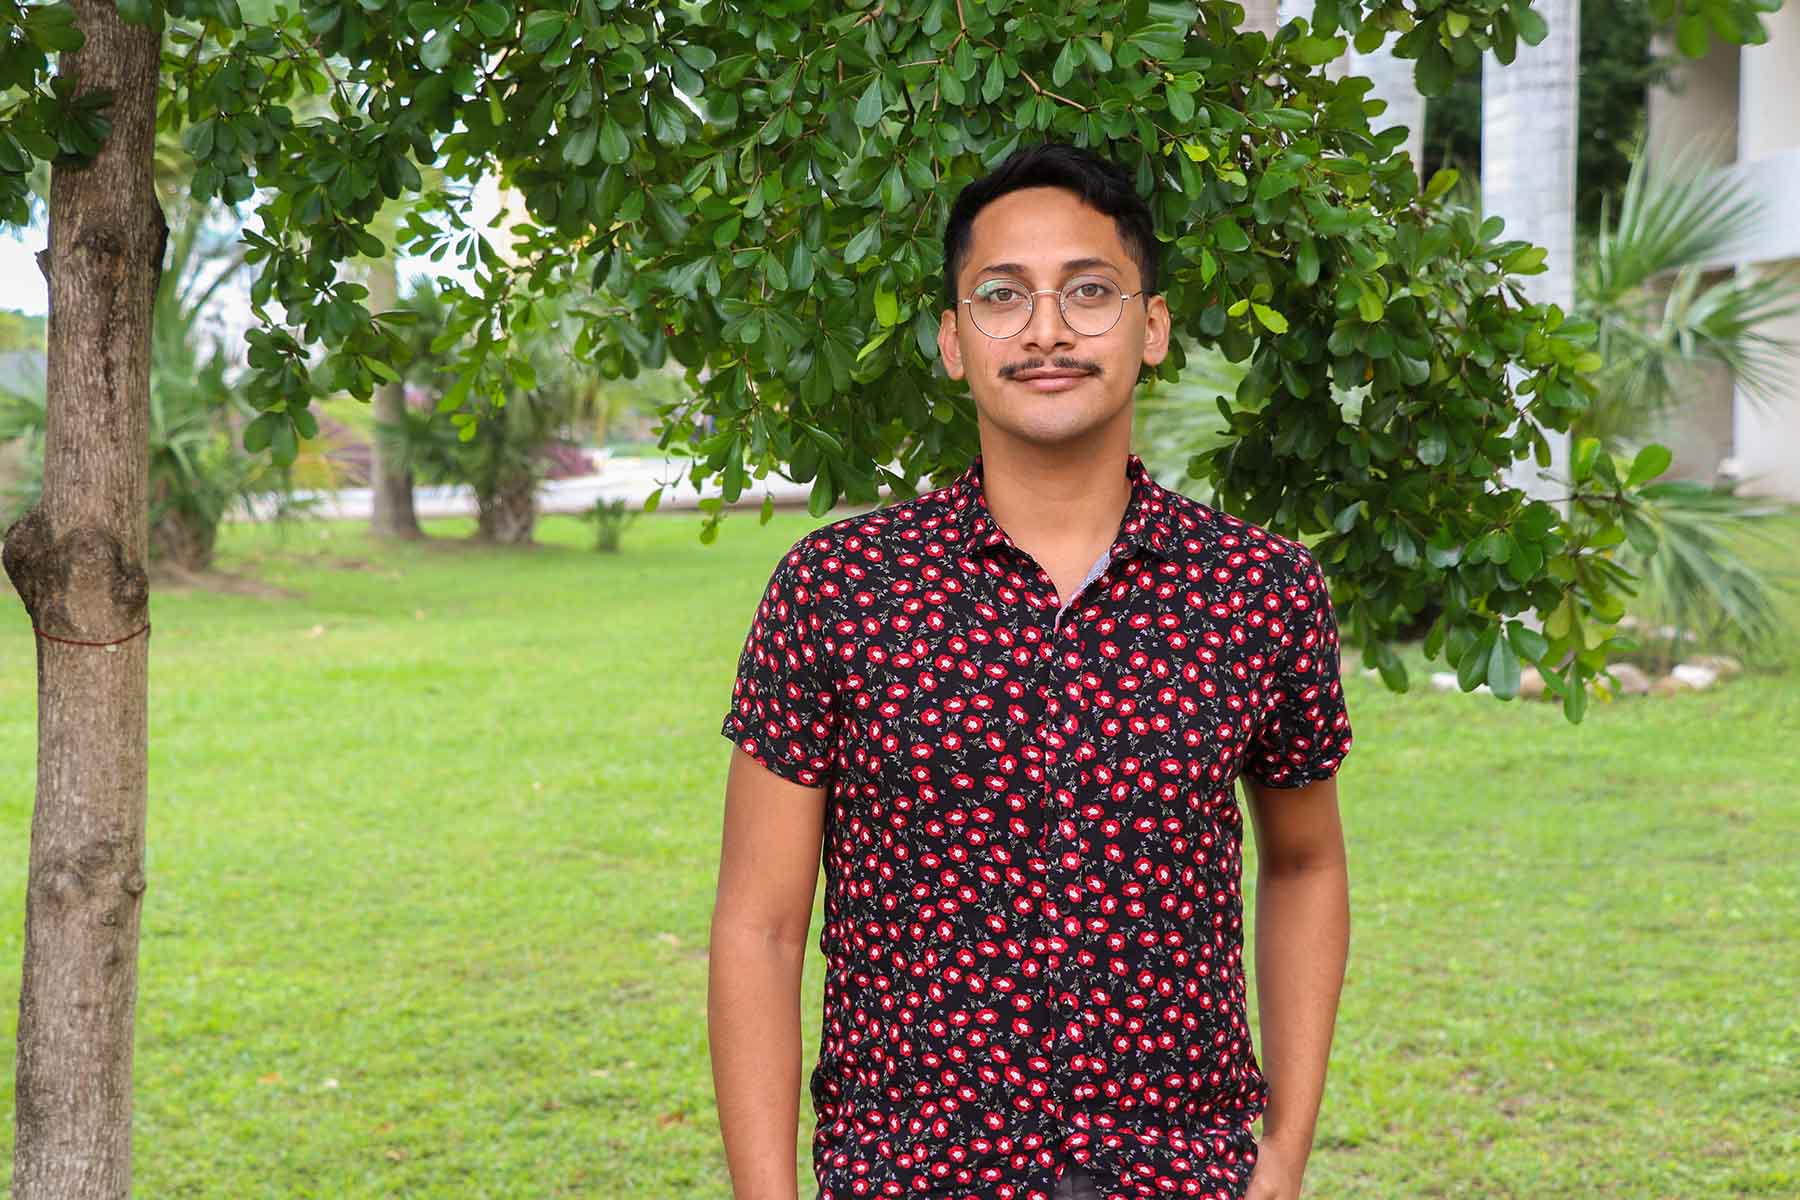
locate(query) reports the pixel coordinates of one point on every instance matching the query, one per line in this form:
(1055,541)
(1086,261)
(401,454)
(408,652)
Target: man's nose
(1046,329)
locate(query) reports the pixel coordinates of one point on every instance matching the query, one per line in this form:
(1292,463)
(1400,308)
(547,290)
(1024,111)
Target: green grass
(432,849)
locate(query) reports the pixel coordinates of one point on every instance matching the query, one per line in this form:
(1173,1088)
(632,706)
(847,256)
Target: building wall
(1740,108)
(1766,445)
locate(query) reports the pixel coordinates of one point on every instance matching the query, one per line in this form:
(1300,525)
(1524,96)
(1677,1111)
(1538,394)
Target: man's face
(1049,384)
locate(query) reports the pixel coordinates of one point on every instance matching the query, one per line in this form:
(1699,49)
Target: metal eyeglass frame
(1061,308)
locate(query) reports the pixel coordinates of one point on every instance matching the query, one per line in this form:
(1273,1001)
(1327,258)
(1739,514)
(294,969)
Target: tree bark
(77,563)
(508,515)
(391,511)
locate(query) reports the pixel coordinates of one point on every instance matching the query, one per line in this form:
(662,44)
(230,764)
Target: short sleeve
(783,701)
(1305,730)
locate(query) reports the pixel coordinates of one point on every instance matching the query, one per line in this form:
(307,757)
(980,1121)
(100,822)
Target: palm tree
(504,455)
(198,467)
(1646,285)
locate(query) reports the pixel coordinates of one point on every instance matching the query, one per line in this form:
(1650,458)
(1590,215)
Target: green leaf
(283,446)
(578,147)
(887,306)
(435,52)
(993,82)
(491,18)
(1581,462)
(862,243)
(1503,669)
(1306,262)
(1435,70)
(541,28)
(1575,695)
(259,431)
(1442,180)
(1531,645)
(869,108)
(1271,320)
(800,266)
(1443,550)
(1690,35)
(1181,104)
(1369,305)
(1531,24)
(1472,667)
(1347,516)
(653,499)
(1650,462)
(613,144)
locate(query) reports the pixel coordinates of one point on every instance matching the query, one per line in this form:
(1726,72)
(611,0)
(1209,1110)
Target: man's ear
(1156,330)
(949,349)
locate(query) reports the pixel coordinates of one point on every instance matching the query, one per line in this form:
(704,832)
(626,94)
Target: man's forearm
(1302,943)
(753,1028)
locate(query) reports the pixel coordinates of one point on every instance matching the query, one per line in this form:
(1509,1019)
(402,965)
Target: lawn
(432,844)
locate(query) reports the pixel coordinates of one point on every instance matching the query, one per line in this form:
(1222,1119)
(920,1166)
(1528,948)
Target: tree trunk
(184,540)
(1528,115)
(390,483)
(77,562)
(508,515)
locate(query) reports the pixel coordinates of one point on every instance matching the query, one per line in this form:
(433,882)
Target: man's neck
(1057,504)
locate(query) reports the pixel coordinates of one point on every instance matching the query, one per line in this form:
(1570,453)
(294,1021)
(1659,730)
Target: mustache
(1062,363)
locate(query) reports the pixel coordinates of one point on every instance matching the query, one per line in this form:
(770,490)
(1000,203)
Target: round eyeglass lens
(1001,308)
(1092,306)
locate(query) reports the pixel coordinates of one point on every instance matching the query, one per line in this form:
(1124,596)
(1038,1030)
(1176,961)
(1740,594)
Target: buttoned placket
(1061,833)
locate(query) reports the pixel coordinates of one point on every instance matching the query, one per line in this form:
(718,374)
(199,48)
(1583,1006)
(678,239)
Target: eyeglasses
(1091,305)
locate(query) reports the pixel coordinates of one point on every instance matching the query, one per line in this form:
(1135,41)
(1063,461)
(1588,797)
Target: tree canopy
(758,191)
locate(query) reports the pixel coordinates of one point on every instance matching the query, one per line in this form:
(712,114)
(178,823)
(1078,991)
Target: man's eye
(1000,295)
(1090,291)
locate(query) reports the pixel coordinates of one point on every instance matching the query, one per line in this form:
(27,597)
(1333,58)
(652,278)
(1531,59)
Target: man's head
(1052,228)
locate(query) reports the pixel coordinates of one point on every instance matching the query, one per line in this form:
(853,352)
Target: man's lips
(1050,379)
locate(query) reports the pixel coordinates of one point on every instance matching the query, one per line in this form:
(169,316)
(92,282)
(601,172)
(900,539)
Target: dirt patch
(167,577)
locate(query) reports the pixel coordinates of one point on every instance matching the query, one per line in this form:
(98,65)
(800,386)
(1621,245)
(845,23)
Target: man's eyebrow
(1074,264)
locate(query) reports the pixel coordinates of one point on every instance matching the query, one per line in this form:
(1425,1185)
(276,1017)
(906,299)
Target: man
(1008,716)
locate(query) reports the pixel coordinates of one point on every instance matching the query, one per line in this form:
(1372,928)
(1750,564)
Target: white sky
(22,285)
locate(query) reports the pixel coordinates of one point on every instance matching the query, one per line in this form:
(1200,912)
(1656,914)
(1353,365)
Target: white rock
(1725,665)
(1690,675)
(1630,680)
(1443,681)
(1531,684)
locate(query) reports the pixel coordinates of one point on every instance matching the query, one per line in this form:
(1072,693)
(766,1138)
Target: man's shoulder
(1213,536)
(898,523)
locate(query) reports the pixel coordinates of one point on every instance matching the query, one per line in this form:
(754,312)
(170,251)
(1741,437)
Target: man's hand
(1277,1174)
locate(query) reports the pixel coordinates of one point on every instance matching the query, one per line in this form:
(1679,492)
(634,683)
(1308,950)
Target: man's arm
(768,870)
(1302,943)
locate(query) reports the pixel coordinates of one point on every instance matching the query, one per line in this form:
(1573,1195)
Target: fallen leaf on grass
(315,631)
(271,1077)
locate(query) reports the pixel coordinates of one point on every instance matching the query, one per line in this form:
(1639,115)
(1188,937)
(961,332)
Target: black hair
(1101,183)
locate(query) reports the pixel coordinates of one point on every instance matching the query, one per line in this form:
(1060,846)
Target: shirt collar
(1143,527)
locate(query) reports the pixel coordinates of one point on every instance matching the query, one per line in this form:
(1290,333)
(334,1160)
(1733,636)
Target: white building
(1747,101)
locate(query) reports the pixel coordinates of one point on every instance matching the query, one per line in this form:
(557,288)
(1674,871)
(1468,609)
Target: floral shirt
(1033,929)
